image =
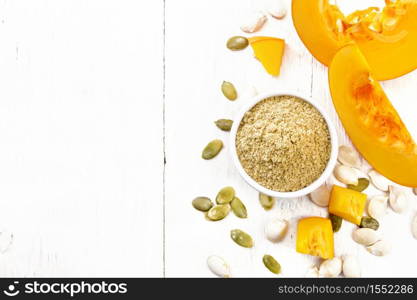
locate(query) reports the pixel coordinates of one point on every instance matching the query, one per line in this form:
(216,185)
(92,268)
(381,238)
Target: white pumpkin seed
(331,267)
(349,157)
(398,199)
(254,22)
(277,9)
(377,206)
(351,268)
(379,181)
(321,196)
(346,175)
(218,266)
(414,227)
(365,236)
(380,248)
(276,229)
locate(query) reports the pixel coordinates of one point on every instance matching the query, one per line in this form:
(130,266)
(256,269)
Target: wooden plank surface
(81,137)
(197,61)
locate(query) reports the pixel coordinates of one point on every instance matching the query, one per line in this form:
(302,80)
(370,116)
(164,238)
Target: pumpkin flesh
(369,118)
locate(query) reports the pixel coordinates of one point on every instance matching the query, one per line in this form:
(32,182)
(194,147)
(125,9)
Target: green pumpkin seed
(238,208)
(225,195)
(229,90)
(271,264)
(202,203)
(266,201)
(241,238)
(336,222)
(362,185)
(369,222)
(218,212)
(212,149)
(224,124)
(236,43)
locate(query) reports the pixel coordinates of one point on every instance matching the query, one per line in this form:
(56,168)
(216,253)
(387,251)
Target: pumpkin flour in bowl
(283,143)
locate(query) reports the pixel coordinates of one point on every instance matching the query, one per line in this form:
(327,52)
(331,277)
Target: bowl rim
(333,142)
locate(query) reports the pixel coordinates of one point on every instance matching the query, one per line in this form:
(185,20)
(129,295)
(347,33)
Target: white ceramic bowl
(314,185)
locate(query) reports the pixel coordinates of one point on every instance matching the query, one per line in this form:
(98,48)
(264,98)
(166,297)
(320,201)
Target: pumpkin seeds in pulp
(369,222)
(202,203)
(266,201)
(271,264)
(239,208)
(362,185)
(241,238)
(229,90)
(218,212)
(212,149)
(336,222)
(224,124)
(236,43)
(225,195)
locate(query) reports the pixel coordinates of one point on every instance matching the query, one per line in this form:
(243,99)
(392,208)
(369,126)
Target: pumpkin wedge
(269,51)
(387,38)
(369,118)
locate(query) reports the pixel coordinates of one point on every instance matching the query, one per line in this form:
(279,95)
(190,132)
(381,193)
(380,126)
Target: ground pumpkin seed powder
(283,143)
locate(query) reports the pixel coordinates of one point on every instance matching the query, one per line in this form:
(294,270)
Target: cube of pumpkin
(347,204)
(315,237)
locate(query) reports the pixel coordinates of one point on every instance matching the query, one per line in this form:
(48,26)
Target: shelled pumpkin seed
(241,238)
(218,212)
(225,195)
(212,149)
(224,124)
(238,208)
(202,203)
(229,90)
(266,201)
(271,264)
(336,222)
(369,222)
(236,43)
(362,185)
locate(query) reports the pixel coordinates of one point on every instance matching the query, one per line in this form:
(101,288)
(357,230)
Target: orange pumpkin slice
(269,51)
(387,38)
(369,118)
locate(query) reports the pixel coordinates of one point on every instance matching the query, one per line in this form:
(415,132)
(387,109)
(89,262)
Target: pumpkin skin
(389,48)
(369,118)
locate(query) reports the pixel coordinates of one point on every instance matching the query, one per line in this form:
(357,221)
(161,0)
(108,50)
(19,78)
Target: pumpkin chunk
(269,51)
(315,237)
(347,204)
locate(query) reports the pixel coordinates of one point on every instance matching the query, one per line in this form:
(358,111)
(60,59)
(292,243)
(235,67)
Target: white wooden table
(96,94)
